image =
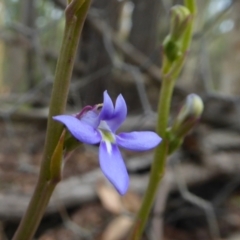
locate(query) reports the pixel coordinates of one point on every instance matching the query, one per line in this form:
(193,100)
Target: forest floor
(105,216)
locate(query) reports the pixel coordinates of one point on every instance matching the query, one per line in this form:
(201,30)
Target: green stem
(158,165)
(46,185)
(170,73)
(191,5)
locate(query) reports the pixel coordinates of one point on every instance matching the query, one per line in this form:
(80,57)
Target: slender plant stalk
(158,165)
(170,73)
(47,181)
(191,5)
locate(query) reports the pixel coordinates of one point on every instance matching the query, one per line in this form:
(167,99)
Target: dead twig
(206,206)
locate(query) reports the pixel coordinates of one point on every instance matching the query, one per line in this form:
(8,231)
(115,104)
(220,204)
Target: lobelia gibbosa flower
(94,126)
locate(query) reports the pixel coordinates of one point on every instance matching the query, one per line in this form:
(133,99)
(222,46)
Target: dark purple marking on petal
(138,141)
(81,131)
(113,166)
(119,115)
(107,109)
(83,111)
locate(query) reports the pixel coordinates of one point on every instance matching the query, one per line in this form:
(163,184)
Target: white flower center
(108,138)
(109,147)
(103,126)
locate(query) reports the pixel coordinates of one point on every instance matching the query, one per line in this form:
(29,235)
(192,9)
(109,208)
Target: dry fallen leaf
(117,228)
(110,199)
(131,202)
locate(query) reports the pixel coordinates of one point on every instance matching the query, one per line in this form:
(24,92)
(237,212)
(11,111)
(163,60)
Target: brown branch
(79,190)
(134,55)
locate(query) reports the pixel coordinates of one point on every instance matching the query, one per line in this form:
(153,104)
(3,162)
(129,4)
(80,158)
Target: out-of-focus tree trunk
(145,25)
(231,73)
(2,48)
(144,35)
(17,60)
(20,70)
(28,19)
(93,52)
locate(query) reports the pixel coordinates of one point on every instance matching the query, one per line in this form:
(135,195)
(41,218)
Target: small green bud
(171,49)
(185,121)
(193,107)
(188,115)
(180,18)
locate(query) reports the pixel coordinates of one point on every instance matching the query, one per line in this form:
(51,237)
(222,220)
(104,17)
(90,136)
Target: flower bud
(180,19)
(185,121)
(188,115)
(171,49)
(193,107)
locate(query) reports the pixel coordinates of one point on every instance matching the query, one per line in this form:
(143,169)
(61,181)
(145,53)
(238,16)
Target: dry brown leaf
(110,198)
(131,202)
(117,228)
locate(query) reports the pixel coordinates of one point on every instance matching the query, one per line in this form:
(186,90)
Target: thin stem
(191,5)
(170,73)
(45,184)
(158,165)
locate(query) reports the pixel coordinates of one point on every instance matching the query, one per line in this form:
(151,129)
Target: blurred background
(120,50)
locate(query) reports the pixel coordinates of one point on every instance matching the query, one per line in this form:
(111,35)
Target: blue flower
(93,125)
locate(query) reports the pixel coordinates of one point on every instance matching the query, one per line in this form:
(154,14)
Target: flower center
(103,126)
(108,138)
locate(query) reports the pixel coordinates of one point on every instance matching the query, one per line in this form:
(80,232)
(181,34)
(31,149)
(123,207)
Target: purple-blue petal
(113,167)
(107,109)
(81,131)
(138,141)
(119,115)
(91,118)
